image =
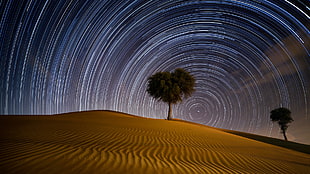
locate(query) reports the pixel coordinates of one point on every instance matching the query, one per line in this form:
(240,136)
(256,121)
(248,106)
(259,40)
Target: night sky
(248,58)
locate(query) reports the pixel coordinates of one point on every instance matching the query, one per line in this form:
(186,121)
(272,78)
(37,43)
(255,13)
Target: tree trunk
(283,131)
(169,111)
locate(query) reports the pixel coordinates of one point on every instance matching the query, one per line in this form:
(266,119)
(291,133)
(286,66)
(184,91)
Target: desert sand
(111,142)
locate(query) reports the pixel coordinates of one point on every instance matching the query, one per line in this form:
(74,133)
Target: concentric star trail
(248,57)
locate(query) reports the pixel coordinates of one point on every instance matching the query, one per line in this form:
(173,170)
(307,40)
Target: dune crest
(111,142)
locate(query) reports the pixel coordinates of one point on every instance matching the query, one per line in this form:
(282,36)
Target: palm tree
(283,117)
(171,87)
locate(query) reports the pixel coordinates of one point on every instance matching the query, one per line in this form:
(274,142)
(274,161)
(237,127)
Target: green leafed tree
(283,117)
(171,87)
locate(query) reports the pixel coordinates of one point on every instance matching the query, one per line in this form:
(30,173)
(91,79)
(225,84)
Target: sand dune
(110,142)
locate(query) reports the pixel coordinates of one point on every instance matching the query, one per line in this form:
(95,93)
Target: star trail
(248,57)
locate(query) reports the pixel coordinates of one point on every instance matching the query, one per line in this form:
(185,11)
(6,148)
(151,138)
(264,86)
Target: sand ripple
(108,142)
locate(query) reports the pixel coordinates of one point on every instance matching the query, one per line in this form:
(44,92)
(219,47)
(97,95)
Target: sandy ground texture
(110,142)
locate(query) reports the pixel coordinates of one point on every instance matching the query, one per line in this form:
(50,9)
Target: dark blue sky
(248,57)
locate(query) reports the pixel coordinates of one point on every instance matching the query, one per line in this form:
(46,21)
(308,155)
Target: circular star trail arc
(248,57)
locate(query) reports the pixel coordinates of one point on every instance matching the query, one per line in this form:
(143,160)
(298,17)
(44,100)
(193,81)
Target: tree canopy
(171,87)
(283,117)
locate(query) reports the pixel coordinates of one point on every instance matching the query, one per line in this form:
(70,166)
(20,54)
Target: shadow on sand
(286,144)
(273,141)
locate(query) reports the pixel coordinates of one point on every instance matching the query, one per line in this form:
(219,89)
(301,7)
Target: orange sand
(110,142)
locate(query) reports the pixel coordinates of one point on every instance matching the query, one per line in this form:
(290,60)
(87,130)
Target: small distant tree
(171,87)
(283,117)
